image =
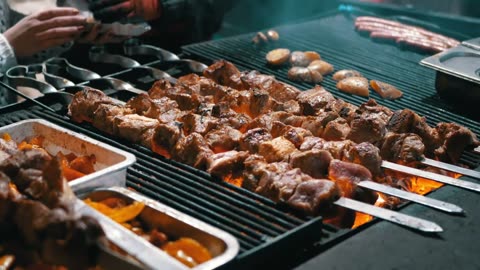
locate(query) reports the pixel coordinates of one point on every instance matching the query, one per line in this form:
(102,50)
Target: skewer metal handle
(392,216)
(433,176)
(451,168)
(437,204)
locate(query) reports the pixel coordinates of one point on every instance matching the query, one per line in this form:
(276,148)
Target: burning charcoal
(278,57)
(346,73)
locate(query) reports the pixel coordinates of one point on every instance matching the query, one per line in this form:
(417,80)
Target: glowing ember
(361,218)
(237,181)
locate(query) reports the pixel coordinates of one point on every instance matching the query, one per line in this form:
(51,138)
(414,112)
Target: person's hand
(44,30)
(95,37)
(115,10)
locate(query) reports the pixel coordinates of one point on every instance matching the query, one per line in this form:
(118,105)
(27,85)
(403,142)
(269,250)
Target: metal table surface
(388,246)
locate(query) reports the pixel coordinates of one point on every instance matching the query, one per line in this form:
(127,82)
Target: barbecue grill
(270,235)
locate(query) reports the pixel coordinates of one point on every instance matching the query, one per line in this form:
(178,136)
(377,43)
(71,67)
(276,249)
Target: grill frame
(308,235)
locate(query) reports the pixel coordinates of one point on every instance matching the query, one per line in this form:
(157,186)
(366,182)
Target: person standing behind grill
(33,31)
(174,22)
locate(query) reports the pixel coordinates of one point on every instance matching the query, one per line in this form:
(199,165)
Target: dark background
(253,15)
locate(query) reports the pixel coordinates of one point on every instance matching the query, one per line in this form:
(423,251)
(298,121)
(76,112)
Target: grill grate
(259,224)
(337,42)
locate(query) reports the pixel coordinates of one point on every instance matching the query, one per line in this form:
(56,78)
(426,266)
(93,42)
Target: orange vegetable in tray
(186,250)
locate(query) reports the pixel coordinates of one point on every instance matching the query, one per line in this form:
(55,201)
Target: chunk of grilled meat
(135,128)
(227,164)
(295,135)
(144,105)
(104,116)
(251,140)
(346,175)
(312,162)
(276,150)
(85,103)
(165,137)
(404,147)
(198,123)
(314,196)
(223,138)
(192,150)
(336,130)
(221,72)
(279,91)
(280,186)
(311,101)
(7,148)
(454,139)
(367,155)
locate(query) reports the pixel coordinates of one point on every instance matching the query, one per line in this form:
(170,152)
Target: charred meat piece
(386,90)
(142,104)
(367,155)
(295,135)
(192,150)
(165,137)
(135,128)
(201,85)
(342,108)
(316,124)
(302,74)
(336,130)
(311,101)
(279,187)
(404,147)
(35,158)
(278,57)
(354,85)
(321,67)
(221,72)
(312,162)
(367,128)
(372,109)
(346,175)
(260,102)
(198,123)
(7,148)
(85,103)
(238,101)
(346,73)
(314,196)
(224,138)
(159,89)
(227,164)
(311,142)
(276,150)
(239,121)
(279,91)
(254,166)
(455,139)
(104,116)
(407,121)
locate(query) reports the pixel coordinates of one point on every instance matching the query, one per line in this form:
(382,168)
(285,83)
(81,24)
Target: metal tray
(472,43)
(223,246)
(126,240)
(458,74)
(111,165)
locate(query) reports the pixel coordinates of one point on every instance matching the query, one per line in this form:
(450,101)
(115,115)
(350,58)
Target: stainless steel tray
(111,165)
(472,43)
(223,246)
(126,240)
(461,62)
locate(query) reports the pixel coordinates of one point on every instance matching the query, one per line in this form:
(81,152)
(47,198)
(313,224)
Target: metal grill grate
(337,42)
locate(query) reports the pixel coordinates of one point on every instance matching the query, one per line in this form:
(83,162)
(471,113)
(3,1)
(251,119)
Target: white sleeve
(7,55)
